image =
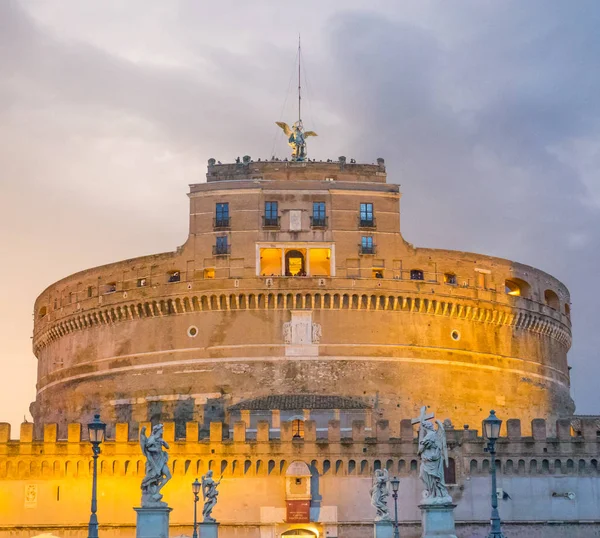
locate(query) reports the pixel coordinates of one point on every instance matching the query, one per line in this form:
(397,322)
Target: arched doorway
(300,533)
(294,263)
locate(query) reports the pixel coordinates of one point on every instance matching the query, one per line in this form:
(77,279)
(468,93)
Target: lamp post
(195,489)
(395,485)
(491,429)
(96,431)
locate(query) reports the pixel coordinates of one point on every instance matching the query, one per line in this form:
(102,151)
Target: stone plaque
(31,495)
(298,511)
(295,220)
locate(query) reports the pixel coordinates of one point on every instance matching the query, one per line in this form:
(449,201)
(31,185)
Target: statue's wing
(143,440)
(203,487)
(285,127)
(441,434)
(310,133)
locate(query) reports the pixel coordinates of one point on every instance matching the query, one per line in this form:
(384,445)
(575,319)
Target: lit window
(174,276)
(142,282)
(377,273)
(298,429)
(450,278)
(416,274)
(209,273)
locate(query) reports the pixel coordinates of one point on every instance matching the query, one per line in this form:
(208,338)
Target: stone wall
(40,478)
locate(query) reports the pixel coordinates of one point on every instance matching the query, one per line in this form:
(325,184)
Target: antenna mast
(299,85)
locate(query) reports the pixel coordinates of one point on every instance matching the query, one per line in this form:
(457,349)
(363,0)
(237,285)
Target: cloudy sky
(487,113)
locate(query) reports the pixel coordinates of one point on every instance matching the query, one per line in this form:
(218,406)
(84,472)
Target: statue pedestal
(438,520)
(152,522)
(384,529)
(208,530)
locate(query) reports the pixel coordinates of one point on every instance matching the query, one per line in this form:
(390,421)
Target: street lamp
(96,431)
(395,485)
(195,490)
(491,430)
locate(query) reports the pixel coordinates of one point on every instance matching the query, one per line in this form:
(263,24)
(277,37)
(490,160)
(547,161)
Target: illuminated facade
(285,346)
(295,279)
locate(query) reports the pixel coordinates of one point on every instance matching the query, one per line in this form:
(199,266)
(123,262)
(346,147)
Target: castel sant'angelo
(286,346)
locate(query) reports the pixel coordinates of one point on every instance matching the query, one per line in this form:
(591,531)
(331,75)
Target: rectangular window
(319,217)
(222,246)
(271,218)
(367,220)
(416,274)
(222,215)
(366,245)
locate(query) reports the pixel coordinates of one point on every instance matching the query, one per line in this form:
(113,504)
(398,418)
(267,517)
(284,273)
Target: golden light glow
(320,261)
(209,273)
(270,262)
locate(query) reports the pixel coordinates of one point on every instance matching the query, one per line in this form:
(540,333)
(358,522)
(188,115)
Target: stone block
(358,430)
(383,431)
(334,433)
(563,429)
(407,432)
(538,429)
(262,431)
(191,432)
(208,530)
(513,428)
(216,432)
(239,432)
(4,432)
(50,433)
(152,522)
(383,529)
(437,520)
(310,431)
(121,432)
(286,431)
(26,432)
(169,431)
(589,429)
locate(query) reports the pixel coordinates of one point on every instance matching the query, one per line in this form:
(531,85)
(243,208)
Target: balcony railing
(221,250)
(365,249)
(367,224)
(271,222)
(318,222)
(222,223)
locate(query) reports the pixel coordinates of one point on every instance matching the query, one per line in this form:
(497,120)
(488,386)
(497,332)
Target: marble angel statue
(157,470)
(433,451)
(209,495)
(379,494)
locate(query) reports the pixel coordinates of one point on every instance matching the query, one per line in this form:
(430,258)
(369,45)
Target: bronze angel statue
(296,138)
(157,470)
(434,456)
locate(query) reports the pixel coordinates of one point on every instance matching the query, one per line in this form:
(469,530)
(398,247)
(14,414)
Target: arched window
(517,287)
(450,472)
(43,311)
(294,263)
(568,310)
(297,429)
(416,274)
(552,299)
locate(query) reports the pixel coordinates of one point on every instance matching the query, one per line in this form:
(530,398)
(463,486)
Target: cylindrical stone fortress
(295,279)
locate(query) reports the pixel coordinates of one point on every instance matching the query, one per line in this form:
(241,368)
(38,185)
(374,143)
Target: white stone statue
(316,333)
(379,494)
(209,495)
(157,470)
(433,451)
